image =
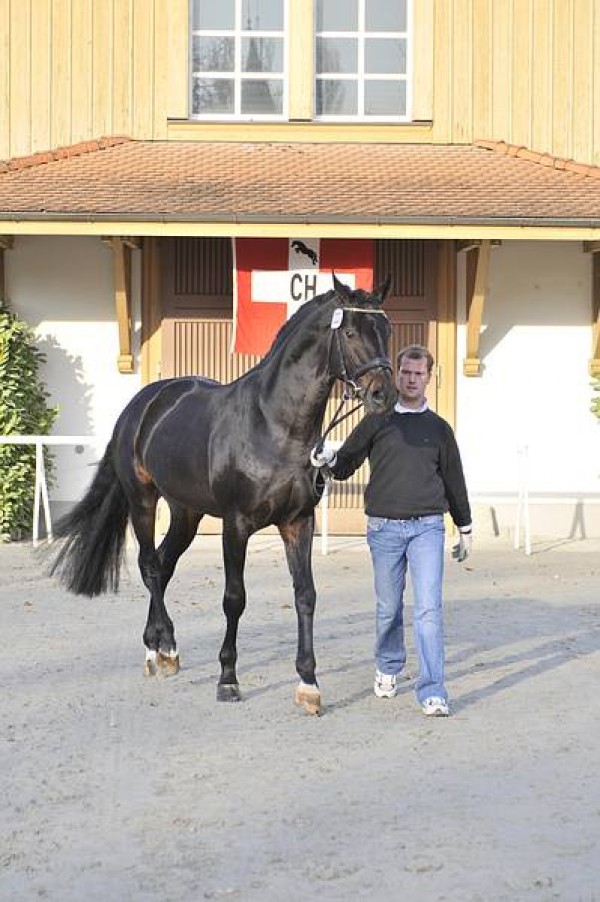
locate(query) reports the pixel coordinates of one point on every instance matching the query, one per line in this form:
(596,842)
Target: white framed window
(363,57)
(238,59)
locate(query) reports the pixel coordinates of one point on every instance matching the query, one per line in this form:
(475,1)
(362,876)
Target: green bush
(23,410)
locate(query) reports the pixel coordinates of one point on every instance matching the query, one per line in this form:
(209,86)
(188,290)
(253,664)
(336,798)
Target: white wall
(535,388)
(63,287)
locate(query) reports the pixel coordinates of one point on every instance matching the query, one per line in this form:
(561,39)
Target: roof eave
(329,225)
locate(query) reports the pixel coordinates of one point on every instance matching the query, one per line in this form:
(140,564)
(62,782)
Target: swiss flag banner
(273,277)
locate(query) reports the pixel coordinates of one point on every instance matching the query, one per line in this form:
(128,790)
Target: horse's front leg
(235,544)
(298,538)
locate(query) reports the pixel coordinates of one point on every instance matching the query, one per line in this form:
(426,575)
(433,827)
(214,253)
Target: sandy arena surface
(116,787)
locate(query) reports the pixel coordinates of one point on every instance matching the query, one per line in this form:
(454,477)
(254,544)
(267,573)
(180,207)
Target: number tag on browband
(336,319)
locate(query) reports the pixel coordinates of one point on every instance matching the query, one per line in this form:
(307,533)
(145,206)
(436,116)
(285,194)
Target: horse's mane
(360,298)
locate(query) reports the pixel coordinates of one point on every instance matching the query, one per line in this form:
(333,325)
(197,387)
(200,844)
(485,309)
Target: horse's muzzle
(378,391)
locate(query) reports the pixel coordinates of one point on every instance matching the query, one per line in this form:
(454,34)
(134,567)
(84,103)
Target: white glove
(462,549)
(323,457)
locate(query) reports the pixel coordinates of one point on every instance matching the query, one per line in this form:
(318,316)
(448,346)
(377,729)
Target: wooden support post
(6,242)
(594,365)
(593,248)
(122,269)
(478,263)
(121,249)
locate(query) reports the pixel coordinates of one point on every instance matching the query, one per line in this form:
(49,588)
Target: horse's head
(361,334)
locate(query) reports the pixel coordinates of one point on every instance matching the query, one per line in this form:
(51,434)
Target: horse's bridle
(352,388)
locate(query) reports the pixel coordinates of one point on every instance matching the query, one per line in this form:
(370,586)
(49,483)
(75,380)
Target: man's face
(412,379)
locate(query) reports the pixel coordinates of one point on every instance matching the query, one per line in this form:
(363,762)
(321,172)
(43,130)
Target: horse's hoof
(228,692)
(159,664)
(309,698)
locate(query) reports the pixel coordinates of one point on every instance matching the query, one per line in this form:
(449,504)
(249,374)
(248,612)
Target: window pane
(385,55)
(262,96)
(336,97)
(385,98)
(212,54)
(337,15)
(261,15)
(337,55)
(262,55)
(212,95)
(211,16)
(385,15)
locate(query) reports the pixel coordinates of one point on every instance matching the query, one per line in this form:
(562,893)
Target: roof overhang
(121,187)
(284,228)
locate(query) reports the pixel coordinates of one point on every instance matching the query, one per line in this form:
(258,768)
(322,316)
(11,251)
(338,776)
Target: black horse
(239,452)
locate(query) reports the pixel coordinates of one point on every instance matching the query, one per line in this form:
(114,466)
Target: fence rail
(40,497)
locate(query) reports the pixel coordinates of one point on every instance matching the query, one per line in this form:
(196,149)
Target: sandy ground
(118,787)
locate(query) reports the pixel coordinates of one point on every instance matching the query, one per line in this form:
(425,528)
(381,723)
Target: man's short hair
(415,352)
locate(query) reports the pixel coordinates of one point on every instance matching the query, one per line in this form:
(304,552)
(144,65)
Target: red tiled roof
(117,178)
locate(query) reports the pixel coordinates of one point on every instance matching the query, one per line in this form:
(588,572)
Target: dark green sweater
(415,466)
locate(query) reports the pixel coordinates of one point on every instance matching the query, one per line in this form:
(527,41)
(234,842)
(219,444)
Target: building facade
(462,137)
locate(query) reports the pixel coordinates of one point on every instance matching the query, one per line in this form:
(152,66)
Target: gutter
(301,219)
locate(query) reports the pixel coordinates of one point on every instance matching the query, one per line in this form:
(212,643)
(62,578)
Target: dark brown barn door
(198,308)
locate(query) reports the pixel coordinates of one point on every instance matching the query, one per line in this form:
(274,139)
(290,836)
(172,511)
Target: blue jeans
(418,545)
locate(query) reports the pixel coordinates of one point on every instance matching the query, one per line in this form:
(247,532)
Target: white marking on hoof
(308,696)
(159,663)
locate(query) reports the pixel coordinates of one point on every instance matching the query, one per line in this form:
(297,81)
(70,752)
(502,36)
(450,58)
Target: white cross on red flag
(273,277)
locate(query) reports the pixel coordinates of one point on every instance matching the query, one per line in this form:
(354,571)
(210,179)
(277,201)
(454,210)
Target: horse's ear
(341,290)
(380,293)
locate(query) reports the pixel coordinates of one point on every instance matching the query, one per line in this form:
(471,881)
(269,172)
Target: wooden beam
(6,243)
(122,271)
(591,247)
(2,282)
(594,364)
(471,243)
(478,264)
(468,244)
(130,241)
(445,291)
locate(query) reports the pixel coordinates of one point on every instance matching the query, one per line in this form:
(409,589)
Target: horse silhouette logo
(301,248)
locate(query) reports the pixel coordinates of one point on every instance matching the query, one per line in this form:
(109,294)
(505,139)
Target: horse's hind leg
(159,636)
(162,657)
(297,538)
(182,529)
(235,544)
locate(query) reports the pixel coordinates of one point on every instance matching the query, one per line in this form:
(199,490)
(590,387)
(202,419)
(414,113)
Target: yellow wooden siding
(301,60)
(81,69)
(423,32)
(481,55)
(526,71)
(71,70)
(123,63)
(4,74)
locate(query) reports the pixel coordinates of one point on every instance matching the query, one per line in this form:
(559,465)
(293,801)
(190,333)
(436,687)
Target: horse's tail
(89,560)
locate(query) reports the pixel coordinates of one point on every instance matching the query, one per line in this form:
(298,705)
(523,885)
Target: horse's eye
(349,333)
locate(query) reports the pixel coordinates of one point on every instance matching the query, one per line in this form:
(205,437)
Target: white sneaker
(384,685)
(435,707)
